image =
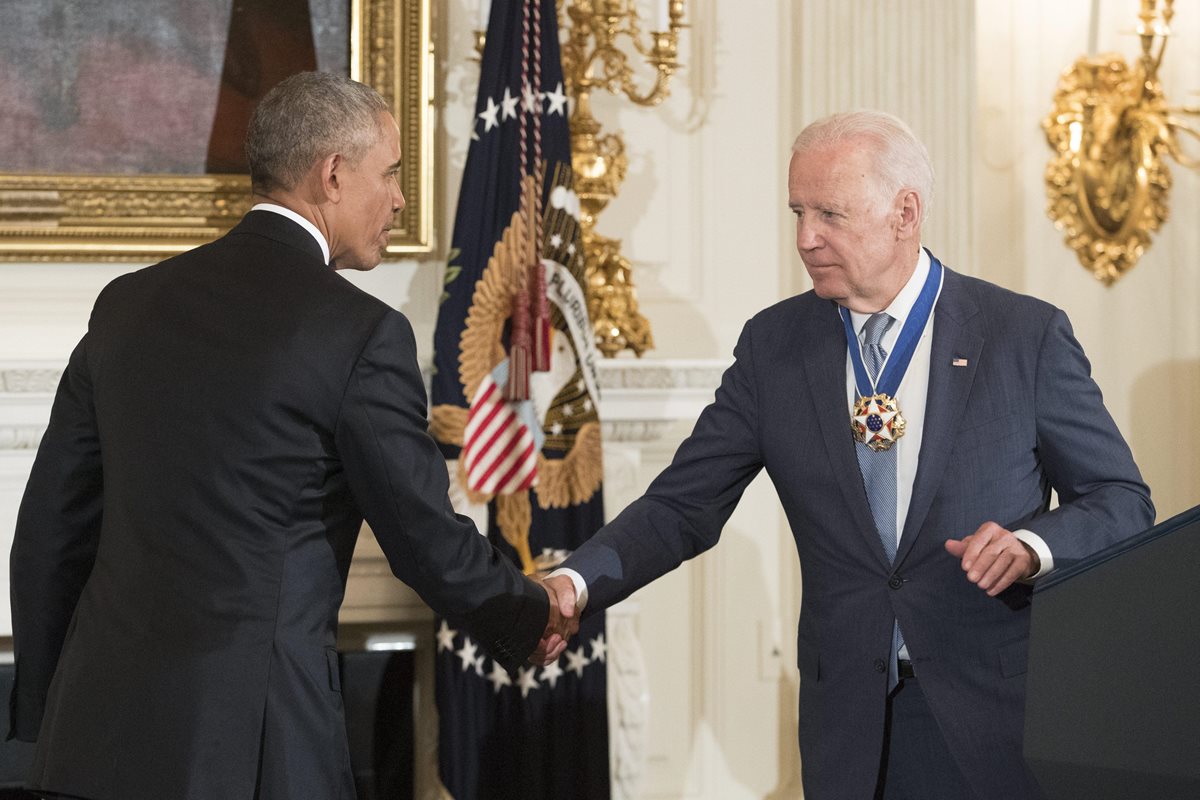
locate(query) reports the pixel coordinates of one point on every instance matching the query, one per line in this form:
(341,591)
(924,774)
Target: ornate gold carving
(1111,129)
(592,60)
(148,217)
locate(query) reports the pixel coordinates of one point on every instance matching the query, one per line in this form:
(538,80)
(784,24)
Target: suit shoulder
(788,311)
(1002,307)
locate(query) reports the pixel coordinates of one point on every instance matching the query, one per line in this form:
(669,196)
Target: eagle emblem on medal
(877,421)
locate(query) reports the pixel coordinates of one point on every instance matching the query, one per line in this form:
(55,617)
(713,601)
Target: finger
(976,542)
(990,568)
(555,653)
(956,547)
(1010,577)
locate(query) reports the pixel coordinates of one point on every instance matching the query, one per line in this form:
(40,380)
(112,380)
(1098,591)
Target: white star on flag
(499,677)
(558,100)
(599,648)
(488,115)
(556,428)
(527,680)
(479,665)
(556,241)
(576,661)
(445,637)
(552,673)
(509,105)
(467,654)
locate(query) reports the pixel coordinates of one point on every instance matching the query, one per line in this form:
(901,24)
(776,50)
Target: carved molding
(650,374)
(20,437)
(29,381)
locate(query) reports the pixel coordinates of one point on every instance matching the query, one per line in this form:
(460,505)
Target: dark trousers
(916,764)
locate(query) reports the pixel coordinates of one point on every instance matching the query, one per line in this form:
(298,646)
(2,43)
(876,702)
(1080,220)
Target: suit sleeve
(54,547)
(1102,497)
(401,484)
(682,513)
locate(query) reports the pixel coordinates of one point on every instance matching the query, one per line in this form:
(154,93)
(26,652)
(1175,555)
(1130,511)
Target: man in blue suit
(914,422)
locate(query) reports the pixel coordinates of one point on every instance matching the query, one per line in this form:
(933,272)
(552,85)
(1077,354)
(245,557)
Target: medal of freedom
(877,421)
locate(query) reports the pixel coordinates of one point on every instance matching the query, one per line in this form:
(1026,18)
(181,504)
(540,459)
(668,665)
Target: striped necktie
(879,473)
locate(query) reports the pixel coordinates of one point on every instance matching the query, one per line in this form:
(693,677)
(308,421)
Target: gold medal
(877,421)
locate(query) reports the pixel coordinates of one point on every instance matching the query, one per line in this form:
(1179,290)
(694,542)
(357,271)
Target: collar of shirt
(899,308)
(308,226)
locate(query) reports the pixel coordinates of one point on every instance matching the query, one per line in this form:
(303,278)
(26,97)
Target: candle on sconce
(664,14)
(1094,28)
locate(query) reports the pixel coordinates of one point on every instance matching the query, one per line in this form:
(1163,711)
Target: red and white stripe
(498,448)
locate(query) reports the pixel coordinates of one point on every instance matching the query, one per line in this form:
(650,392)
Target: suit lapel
(825,367)
(949,388)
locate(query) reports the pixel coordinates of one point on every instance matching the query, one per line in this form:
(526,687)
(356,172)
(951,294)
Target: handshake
(563,622)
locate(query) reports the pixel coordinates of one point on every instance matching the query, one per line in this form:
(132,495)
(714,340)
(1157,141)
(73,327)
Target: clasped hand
(563,622)
(994,558)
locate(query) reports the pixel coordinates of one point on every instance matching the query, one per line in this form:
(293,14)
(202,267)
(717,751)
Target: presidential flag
(514,407)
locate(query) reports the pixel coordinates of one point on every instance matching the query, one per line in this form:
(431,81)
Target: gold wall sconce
(1111,130)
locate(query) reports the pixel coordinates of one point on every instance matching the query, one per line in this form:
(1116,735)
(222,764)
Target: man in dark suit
(912,641)
(221,431)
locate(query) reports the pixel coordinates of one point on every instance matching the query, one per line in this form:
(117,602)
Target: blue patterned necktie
(879,472)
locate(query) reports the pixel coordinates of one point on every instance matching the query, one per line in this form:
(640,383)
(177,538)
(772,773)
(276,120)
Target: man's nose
(397,201)
(806,235)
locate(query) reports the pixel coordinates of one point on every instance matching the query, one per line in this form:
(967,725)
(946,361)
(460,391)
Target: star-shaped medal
(877,421)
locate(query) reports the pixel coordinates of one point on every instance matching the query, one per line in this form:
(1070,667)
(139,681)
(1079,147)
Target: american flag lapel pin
(958,362)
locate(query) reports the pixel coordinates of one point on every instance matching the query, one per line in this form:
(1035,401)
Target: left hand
(994,558)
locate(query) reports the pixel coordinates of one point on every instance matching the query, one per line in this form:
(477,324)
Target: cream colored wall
(1142,335)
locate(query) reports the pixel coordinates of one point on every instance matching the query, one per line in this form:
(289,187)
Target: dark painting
(151,86)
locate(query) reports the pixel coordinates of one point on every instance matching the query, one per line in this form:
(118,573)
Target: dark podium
(1113,690)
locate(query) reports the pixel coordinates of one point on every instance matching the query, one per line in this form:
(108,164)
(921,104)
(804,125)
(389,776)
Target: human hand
(993,558)
(562,624)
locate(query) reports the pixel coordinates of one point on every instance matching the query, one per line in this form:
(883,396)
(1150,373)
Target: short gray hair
(305,118)
(901,160)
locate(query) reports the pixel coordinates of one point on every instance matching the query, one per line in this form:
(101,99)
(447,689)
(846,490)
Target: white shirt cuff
(1039,546)
(581,594)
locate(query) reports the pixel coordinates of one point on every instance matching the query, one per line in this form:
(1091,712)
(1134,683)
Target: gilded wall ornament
(1111,130)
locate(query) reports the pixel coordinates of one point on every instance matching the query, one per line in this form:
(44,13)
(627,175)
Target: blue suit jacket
(1022,418)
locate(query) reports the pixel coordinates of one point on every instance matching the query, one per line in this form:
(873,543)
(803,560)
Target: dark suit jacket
(1021,418)
(182,547)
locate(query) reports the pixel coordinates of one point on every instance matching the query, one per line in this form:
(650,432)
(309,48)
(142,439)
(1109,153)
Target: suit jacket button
(895,582)
(880,666)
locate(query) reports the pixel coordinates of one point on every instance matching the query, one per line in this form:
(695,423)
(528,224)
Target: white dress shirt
(299,220)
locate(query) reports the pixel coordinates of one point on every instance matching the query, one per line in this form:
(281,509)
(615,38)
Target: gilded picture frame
(147,217)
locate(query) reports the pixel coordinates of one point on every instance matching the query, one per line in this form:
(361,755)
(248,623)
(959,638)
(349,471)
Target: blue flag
(542,733)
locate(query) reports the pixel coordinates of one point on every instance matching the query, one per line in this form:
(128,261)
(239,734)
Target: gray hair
(901,160)
(305,118)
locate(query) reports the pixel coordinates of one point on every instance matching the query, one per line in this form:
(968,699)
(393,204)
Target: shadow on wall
(768,680)
(1164,436)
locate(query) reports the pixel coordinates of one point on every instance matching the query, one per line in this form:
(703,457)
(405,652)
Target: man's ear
(330,171)
(908,213)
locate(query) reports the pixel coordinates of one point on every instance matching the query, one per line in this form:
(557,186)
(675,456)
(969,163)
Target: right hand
(562,624)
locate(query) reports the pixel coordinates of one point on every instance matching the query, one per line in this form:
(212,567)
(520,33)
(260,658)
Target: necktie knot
(873,353)
(875,328)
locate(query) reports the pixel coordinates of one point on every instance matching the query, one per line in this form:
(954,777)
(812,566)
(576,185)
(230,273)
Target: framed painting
(121,137)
